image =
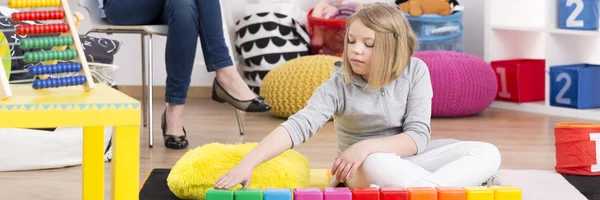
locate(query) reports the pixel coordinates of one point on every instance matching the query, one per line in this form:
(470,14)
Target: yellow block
(507,193)
(479,193)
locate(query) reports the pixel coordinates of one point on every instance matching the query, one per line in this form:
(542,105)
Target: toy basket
(326,35)
(435,32)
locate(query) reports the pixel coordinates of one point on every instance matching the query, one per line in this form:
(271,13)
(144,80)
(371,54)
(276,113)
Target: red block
(393,193)
(577,148)
(521,80)
(369,193)
(422,193)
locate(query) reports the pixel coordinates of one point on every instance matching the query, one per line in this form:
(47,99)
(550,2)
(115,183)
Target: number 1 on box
(504,88)
(596,138)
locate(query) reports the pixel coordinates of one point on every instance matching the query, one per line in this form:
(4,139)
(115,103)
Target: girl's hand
(240,174)
(346,164)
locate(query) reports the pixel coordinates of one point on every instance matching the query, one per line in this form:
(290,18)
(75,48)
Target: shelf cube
(578,14)
(219,194)
(422,193)
(337,193)
(520,80)
(451,193)
(249,194)
(575,86)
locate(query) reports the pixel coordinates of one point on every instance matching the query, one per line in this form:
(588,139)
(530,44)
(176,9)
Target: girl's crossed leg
(463,163)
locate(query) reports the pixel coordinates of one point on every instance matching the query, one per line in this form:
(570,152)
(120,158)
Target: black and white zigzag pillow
(265,40)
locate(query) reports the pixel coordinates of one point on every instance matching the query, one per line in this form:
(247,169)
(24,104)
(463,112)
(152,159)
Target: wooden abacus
(58,10)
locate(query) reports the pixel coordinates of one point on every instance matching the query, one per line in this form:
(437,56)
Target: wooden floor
(525,140)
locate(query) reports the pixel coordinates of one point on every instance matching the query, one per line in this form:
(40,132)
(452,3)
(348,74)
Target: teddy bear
(419,7)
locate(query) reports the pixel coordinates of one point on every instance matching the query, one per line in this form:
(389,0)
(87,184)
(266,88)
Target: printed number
(595,137)
(504,90)
(571,22)
(564,89)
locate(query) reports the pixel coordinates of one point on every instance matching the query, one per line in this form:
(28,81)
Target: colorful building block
(367,193)
(422,193)
(479,193)
(308,194)
(277,194)
(249,194)
(520,80)
(507,193)
(337,193)
(579,14)
(451,193)
(575,86)
(393,193)
(218,194)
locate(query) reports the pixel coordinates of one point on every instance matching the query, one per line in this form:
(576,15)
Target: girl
(380,99)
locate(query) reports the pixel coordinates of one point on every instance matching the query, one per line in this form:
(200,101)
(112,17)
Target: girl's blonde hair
(395,43)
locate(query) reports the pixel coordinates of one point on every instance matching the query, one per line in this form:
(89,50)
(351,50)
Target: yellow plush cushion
(288,86)
(198,169)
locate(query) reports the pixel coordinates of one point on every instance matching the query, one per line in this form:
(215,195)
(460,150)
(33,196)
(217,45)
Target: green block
(218,194)
(249,194)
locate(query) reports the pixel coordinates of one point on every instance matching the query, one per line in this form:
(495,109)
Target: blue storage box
(575,86)
(578,14)
(436,32)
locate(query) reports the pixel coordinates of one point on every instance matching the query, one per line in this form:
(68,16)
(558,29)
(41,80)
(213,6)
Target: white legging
(459,164)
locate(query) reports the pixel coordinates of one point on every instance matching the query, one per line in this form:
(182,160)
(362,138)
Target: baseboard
(159,91)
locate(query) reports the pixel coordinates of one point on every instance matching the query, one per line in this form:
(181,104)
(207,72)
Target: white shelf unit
(528,29)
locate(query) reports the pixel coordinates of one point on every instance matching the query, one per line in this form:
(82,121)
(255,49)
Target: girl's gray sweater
(401,107)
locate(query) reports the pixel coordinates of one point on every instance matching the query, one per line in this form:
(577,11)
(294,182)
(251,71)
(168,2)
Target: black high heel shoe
(253,105)
(171,141)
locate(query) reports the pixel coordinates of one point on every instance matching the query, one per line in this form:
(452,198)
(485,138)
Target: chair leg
(150,86)
(240,123)
(144,71)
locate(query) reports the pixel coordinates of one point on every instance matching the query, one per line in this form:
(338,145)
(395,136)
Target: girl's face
(360,48)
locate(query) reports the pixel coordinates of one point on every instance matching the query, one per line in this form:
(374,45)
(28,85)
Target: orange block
(451,193)
(507,193)
(422,193)
(479,193)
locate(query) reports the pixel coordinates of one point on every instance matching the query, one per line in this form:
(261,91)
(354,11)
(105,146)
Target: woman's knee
(184,11)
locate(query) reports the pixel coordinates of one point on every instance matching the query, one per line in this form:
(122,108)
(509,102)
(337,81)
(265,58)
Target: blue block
(278,194)
(578,14)
(575,86)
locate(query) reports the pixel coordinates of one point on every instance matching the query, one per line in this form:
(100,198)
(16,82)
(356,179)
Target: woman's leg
(132,12)
(182,18)
(387,169)
(216,52)
(463,163)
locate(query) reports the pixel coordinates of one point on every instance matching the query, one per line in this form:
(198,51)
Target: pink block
(337,193)
(308,194)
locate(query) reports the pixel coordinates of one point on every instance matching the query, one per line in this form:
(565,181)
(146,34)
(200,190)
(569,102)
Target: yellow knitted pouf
(289,86)
(200,168)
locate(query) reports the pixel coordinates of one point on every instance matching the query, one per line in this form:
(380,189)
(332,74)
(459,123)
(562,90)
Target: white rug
(542,185)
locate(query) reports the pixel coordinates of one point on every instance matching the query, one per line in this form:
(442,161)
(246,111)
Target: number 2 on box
(571,22)
(504,88)
(596,138)
(564,89)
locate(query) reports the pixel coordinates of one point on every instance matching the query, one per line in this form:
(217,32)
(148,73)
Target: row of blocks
(370,193)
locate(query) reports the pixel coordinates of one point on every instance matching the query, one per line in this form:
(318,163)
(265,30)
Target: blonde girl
(380,99)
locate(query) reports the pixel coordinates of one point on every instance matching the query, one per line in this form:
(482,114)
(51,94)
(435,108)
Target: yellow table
(73,107)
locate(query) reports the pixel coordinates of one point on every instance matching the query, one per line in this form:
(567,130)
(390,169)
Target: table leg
(93,163)
(125,163)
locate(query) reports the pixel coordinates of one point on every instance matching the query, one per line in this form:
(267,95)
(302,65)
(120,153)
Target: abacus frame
(72,20)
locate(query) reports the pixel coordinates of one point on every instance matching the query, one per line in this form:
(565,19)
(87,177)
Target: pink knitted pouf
(463,84)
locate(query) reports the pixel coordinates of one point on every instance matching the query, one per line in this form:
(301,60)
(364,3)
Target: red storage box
(326,35)
(521,80)
(577,146)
